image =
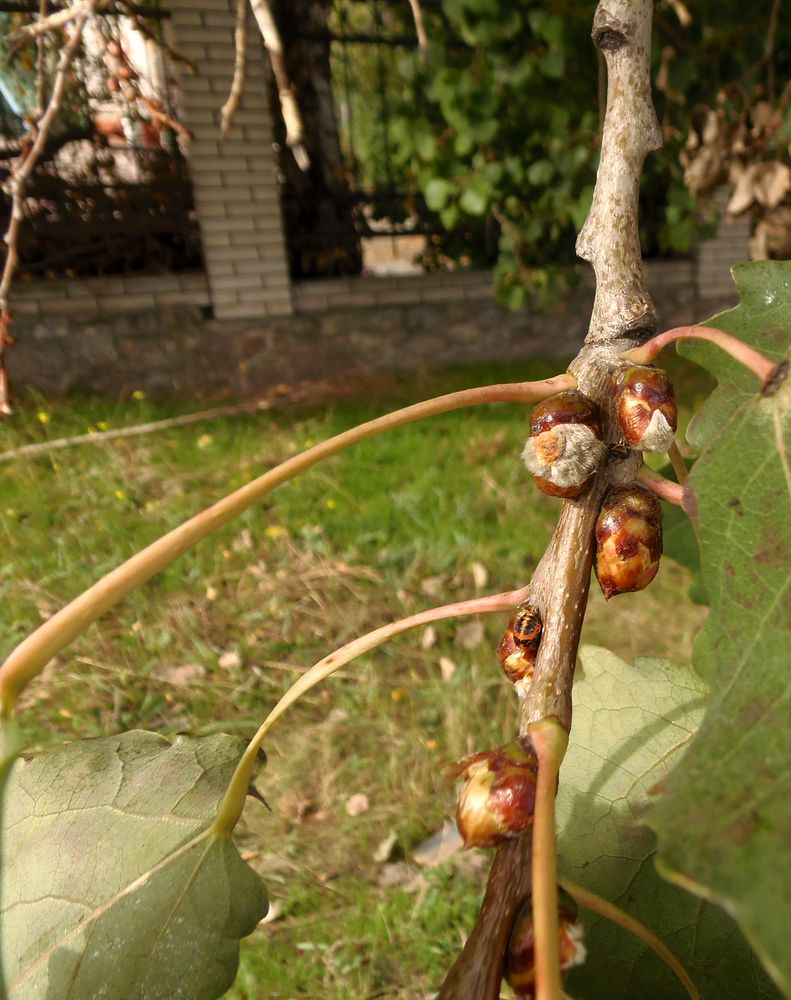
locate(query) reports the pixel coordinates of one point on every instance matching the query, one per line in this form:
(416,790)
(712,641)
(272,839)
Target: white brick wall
(92,297)
(234,179)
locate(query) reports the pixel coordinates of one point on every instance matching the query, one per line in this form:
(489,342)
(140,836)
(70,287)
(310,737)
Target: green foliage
(631,724)
(112,883)
(724,822)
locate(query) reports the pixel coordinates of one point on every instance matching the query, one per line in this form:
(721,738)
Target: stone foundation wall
(350,326)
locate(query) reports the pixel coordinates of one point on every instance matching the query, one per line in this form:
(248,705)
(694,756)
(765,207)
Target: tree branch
(623,314)
(228,109)
(288,103)
(20,175)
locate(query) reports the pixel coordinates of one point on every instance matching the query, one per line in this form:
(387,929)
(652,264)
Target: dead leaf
(480,574)
(229,660)
(447,668)
(357,804)
(403,875)
(470,634)
(428,638)
(384,850)
(439,846)
(432,585)
(180,675)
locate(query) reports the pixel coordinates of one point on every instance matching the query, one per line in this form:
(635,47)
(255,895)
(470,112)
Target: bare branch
(41,63)
(610,239)
(228,109)
(622,314)
(20,175)
(288,103)
(420,29)
(58,19)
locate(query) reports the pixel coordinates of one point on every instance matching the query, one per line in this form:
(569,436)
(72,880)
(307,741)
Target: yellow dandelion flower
(42,416)
(431,745)
(332,504)
(205,440)
(397,694)
(138,394)
(120,495)
(102,425)
(275,531)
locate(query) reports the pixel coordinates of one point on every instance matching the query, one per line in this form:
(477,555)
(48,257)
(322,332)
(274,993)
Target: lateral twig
(288,102)
(228,109)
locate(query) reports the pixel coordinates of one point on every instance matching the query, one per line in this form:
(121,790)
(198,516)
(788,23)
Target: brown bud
(646,407)
(497,798)
(628,540)
(519,645)
(565,447)
(520,968)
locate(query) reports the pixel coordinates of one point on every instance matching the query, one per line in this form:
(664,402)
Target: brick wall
(234,178)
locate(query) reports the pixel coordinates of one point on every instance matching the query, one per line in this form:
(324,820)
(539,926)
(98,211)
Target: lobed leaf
(112,885)
(631,724)
(724,822)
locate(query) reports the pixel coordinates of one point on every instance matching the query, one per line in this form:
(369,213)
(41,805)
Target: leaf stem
(758,363)
(665,489)
(550,740)
(616,915)
(678,463)
(34,652)
(233,802)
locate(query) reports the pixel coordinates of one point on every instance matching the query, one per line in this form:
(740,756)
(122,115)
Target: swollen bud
(497,798)
(646,407)
(519,645)
(565,447)
(628,540)
(520,967)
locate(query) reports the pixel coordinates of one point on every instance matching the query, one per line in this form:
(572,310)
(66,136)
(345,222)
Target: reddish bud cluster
(498,795)
(520,969)
(565,447)
(646,407)
(519,645)
(628,540)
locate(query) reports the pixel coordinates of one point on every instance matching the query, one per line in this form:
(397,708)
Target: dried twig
(228,109)
(420,29)
(42,26)
(41,63)
(20,175)
(100,437)
(288,103)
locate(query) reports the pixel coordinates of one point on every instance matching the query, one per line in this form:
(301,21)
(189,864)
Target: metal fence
(112,194)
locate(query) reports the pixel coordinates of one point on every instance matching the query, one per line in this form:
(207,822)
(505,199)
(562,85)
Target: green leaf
(475,197)
(437,192)
(631,724)
(112,883)
(762,319)
(724,824)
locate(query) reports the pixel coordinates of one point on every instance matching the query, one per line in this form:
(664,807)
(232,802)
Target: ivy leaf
(112,885)
(724,823)
(631,724)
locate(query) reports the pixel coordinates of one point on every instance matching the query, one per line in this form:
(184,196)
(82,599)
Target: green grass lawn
(417,517)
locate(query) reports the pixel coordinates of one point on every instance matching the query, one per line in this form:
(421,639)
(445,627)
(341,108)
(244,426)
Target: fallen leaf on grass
(447,668)
(181,675)
(439,846)
(469,635)
(357,804)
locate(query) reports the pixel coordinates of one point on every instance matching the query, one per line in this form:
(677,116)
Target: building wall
(339,329)
(234,178)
